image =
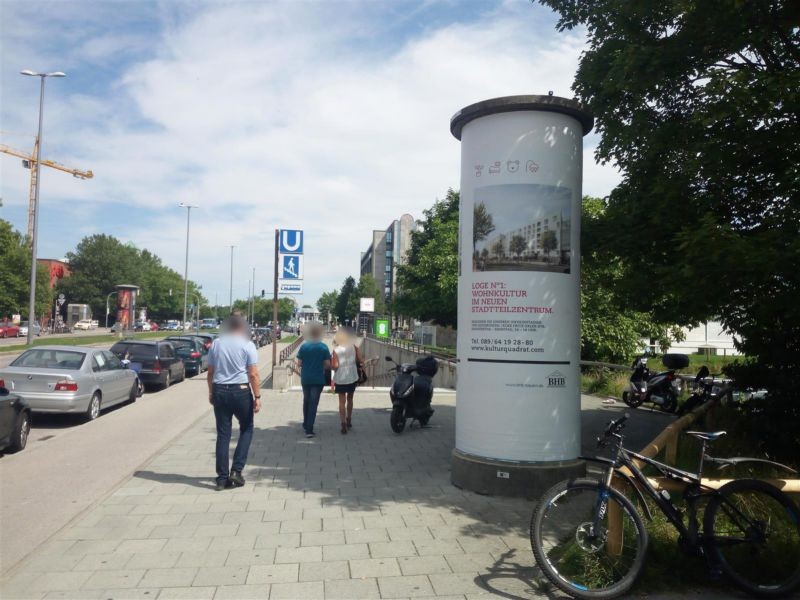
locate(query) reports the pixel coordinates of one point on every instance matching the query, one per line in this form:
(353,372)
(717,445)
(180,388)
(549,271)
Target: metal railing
(287,352)
(412,347)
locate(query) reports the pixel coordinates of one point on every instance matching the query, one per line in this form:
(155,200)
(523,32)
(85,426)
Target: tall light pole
(32,303)
(230,300)
(188,208)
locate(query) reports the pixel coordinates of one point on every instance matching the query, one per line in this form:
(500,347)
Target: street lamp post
(32,303)
(107,299)
(188,208)
(230,300)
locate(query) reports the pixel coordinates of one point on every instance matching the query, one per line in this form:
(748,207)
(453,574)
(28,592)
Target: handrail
(411,347)
(287,352)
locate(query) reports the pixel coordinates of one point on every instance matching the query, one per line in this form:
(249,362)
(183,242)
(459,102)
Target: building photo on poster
(521,227)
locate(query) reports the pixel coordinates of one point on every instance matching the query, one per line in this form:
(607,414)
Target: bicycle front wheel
(584,561)
(754,534)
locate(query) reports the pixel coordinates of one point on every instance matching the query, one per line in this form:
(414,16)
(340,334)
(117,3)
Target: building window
(389,236)
(388,267)
(388,290)
(389,253)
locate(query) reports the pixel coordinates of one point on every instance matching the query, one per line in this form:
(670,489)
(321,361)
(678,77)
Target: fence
(287,352)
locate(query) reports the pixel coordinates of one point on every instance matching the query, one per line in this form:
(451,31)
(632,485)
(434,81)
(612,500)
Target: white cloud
(284,115)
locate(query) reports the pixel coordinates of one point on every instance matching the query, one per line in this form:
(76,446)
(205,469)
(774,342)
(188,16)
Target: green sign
(382,327)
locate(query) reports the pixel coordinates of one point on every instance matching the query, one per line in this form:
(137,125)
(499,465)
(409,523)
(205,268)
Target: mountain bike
(589,539)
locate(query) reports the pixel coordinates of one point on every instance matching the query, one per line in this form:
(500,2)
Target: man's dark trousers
(230,400)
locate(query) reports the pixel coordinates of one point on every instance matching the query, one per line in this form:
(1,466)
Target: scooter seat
(708,436)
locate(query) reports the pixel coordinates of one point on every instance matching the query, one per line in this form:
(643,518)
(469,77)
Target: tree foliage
(100,262)
(15,273)
(697,104)
(343,304)
(482,224)
(428,281)
(326,304)
(367,288)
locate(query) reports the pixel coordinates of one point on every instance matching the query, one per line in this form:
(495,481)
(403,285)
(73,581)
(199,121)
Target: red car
(8,330)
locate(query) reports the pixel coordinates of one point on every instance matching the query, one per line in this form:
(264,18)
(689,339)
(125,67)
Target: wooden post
(615,530)
(671,450)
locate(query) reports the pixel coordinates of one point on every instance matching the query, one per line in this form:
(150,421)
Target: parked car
(70,379)
(209,324)
(8,329)
(83,325)
(264,334)
(171,325)
(208,338)
(23,328)
(192,350)
(141,326)
(95,323)
(15,420)
(160,364)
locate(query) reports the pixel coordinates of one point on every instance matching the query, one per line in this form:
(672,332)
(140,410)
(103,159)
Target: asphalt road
(13,341)
(68,466)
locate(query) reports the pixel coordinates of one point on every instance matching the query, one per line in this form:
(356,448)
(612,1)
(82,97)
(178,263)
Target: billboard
(367,305)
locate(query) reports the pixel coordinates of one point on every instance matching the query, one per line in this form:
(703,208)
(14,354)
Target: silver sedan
(70,379)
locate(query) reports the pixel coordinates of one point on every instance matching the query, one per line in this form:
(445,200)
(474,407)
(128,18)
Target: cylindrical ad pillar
(518,400)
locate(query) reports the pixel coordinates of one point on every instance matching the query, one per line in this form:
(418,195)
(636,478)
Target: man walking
(233,389)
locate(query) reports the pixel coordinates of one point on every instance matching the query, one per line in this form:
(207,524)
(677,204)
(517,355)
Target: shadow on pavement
(201,482)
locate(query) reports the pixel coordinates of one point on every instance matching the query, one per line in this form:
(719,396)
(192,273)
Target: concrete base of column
(500,478)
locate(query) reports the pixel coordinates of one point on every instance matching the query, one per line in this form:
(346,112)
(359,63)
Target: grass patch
(287,339)
(84,340)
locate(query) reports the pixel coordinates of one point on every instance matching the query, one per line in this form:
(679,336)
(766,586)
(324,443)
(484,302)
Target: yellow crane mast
(29,162)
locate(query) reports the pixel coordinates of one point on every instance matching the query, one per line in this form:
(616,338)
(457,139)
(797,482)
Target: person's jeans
(229,401)
(311,394)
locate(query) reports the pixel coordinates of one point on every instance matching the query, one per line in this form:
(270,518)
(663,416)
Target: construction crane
(29,162)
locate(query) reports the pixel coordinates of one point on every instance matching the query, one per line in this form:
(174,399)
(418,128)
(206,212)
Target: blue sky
(327,116)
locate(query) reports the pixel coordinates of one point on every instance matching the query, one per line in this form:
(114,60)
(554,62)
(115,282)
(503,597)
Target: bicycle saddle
(708,436)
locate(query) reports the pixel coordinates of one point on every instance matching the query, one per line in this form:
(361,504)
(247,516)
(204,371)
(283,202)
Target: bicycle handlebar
(615,426)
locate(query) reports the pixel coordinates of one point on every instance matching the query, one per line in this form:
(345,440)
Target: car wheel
(21,431)
(167,381)
(183,374)
(5,334)
(134,393)
(93,411)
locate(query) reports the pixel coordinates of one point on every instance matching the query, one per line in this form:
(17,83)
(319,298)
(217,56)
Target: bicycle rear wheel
(754,531)
(579,561)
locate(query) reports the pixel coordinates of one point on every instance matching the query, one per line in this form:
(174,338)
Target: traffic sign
(291,266)
(290,286)
(291,241)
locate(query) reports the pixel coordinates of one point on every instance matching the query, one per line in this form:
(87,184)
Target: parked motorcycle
(412,392)
(661,389)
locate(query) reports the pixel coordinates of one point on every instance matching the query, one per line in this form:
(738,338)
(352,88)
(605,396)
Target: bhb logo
(556,379)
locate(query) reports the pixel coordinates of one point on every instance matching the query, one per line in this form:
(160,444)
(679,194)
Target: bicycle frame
(622,457)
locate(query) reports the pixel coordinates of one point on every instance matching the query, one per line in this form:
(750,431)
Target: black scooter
(412,392)
(661,388)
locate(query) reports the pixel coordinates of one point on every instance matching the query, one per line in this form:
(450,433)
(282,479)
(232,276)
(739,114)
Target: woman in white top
(345,360)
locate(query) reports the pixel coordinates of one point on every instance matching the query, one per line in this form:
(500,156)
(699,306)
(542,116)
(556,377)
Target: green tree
(610,330)
(428,281)
(517,245)
(15,273)
(367,288)
(343,304)
(696,103)
(499,247)
(326,304)
(101,262)
(549,241)
(482,224)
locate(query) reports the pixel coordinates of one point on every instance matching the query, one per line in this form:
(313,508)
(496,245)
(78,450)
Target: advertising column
(518,408)
(126,305)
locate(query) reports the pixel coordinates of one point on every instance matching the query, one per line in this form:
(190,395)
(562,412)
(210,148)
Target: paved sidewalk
(370,514)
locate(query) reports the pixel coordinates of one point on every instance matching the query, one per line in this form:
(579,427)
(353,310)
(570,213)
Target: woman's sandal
(344,427)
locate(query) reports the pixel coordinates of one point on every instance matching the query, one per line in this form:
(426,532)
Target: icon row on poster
(511,166)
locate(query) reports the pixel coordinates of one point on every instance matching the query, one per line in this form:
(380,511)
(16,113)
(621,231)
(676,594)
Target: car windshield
(50,359)
(23,324)
(181,344)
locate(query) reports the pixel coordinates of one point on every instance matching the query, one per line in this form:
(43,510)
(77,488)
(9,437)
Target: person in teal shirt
(313,359)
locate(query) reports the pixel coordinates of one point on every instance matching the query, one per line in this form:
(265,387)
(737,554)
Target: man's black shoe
(222,484)
(236,479)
